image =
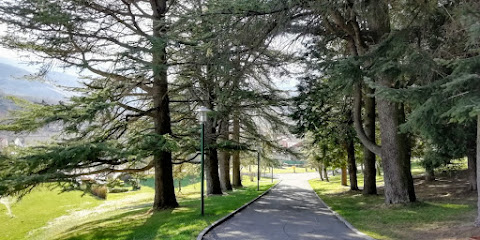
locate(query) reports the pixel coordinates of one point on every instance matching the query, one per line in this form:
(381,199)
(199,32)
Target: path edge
(230,215)
(342,219)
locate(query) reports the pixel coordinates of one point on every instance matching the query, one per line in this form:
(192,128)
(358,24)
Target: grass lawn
(184,222)
(46,214)
(433,217)
(37,208)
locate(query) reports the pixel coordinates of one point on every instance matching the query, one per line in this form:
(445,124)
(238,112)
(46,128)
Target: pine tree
(128,46)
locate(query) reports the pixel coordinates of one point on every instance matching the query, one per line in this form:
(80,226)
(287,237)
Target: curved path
(289,211)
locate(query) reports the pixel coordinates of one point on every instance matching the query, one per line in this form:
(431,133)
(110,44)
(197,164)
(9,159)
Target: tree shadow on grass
(402,221)
(181,223)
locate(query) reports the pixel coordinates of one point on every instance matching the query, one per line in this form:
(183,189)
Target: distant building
(293,145)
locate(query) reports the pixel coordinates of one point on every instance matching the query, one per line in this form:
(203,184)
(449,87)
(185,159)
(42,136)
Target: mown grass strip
(181,223)
(370,215)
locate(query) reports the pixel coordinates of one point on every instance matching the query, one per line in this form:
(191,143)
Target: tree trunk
(407,146)
(394,155)
(472,160)
(179,185)
(352,165)
(236,177)
(212,176)
(430,173)
(320,173)
(325,173)
(344,176)
(250,173)
(477,222)
(472,168)
(211,163)
(333,172)
(164,187)
(224,159)
(370,182)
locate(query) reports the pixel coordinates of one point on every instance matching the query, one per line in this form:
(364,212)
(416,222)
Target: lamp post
(202,118)
(259,149)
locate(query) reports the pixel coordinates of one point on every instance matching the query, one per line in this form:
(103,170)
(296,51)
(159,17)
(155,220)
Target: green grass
(36,208)
(417,168)
(370,215)
(45,205)
(184,222)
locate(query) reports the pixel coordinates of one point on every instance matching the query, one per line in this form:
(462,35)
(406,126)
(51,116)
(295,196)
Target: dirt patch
(449,187)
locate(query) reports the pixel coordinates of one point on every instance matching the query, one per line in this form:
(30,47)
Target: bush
(135,183)
(118,190)
(113,183)
(99,191)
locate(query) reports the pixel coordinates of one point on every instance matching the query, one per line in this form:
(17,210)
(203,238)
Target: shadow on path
(290,211)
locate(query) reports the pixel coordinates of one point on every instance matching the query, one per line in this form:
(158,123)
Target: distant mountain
(15,81)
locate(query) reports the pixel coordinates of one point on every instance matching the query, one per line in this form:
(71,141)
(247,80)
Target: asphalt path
(290,211)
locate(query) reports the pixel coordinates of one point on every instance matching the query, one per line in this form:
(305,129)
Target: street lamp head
(202,113)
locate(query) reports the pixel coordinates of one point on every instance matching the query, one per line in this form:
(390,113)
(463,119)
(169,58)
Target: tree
(231,74)
(323,111)
(128,45)
(353,42)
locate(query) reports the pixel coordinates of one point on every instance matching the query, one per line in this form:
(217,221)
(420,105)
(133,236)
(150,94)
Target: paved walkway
(290,211)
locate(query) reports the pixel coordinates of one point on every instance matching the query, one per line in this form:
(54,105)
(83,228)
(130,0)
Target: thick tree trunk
(225,171)
(407,164)
(236,177)
(352,165)
(344,176)
(477,222)
(472,168)
(211,163)
(472,160)
(164,187)
(370,182)
(224,159)
(394,155)
(430,173)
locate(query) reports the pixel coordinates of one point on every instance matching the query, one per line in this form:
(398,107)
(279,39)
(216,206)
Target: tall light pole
(202,118)
(259,149)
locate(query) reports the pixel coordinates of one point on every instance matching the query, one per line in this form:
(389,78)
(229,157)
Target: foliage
(323,116)
(112,125)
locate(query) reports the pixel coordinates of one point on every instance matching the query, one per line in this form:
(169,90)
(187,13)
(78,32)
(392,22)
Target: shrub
(113,183)
(99,191)
(135,183)
(118,190)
